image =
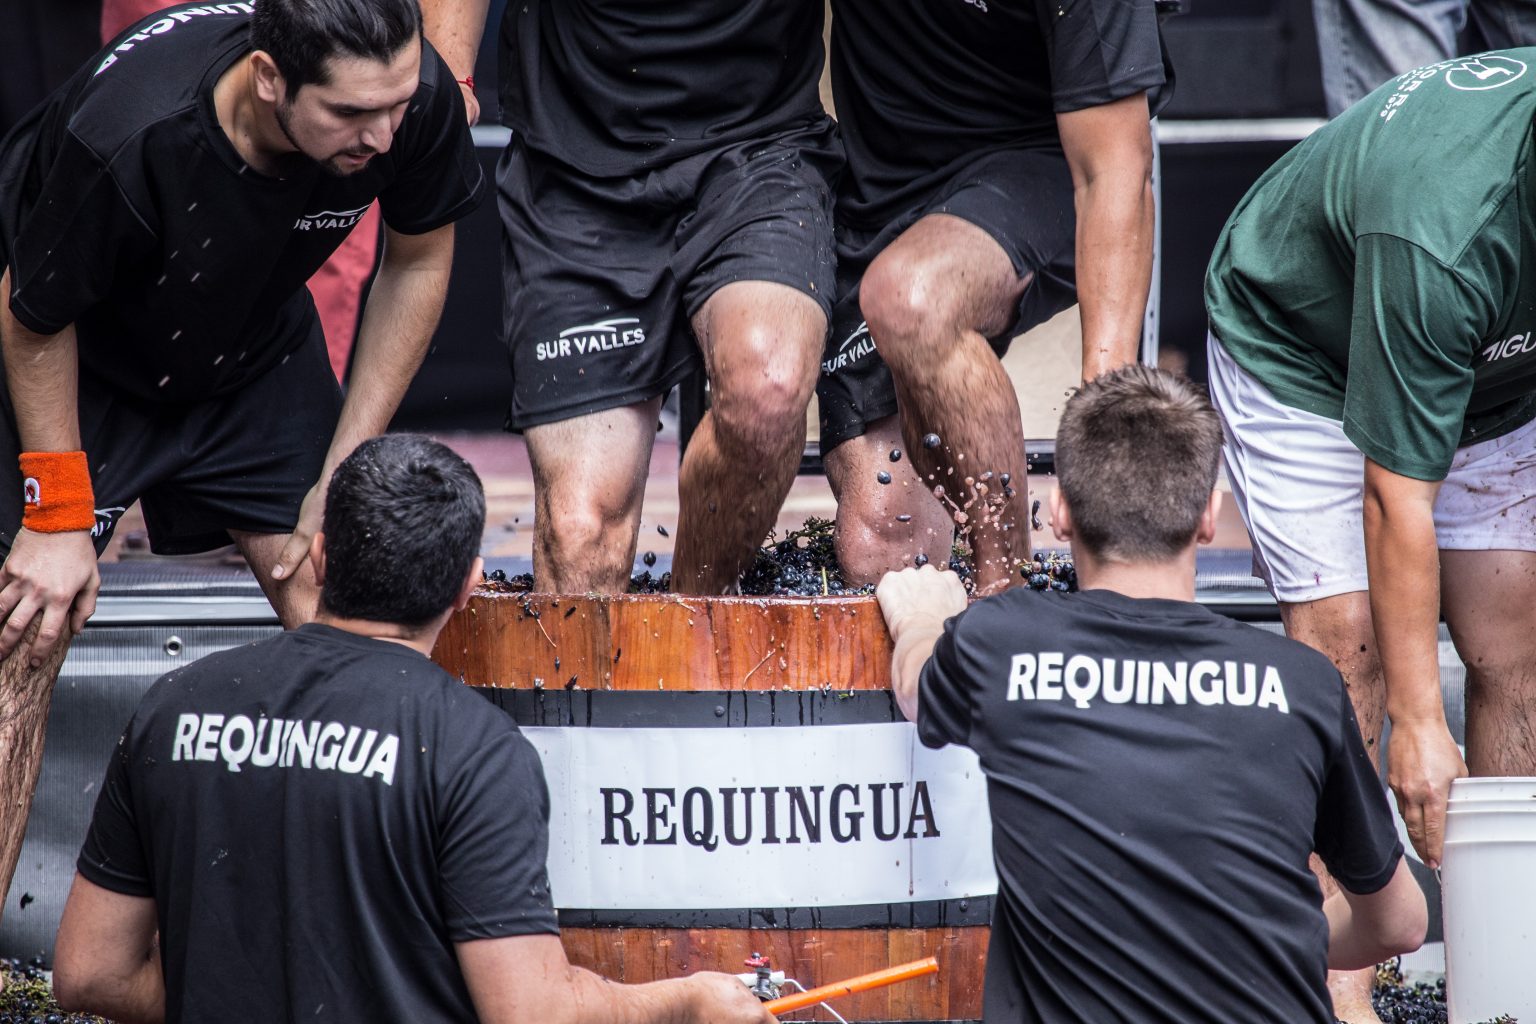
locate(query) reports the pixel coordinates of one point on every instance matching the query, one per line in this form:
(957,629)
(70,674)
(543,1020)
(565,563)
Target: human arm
(1402,564)
(402,312)
(916,603)
(1364,930)
(106,959)
(526,979)
(1109,150)
(51,573)
(454,27)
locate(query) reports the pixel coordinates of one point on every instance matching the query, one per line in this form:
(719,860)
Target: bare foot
(1351,992)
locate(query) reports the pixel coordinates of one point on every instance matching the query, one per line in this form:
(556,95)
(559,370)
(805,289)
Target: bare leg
(1341,628)
(871,540)
(25,694)
(1478,590)
(295,598)
(589,483)
(931,299)
(761,344)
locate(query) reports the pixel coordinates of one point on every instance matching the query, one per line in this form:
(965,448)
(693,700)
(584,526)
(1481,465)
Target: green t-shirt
(1383,272)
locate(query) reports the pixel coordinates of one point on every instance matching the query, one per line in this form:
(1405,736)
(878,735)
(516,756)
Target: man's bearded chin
(284,112)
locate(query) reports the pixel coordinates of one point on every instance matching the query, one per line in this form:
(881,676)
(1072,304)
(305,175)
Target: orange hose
(863,983)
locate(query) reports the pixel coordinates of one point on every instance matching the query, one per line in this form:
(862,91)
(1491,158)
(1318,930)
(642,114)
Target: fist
(913,594)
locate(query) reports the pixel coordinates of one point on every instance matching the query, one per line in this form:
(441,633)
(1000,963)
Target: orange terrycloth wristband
(56,492)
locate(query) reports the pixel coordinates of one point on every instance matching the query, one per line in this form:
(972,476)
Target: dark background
(1235,59)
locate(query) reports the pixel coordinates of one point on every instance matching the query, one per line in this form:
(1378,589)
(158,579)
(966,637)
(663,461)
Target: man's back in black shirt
(1158,776)
(319,818)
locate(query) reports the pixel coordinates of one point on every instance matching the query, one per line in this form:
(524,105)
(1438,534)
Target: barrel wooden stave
(811,956)
(659,642)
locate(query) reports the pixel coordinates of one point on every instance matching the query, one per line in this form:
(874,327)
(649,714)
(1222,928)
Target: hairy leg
(761,343)
(931,299)
(883,527)
(1484,594)
(295,598)
(589,484)
(25,694)
(1341,628)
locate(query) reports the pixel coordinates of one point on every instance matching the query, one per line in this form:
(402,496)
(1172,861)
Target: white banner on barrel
(696,819)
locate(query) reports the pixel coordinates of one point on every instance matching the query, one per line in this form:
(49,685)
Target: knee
(1495,674)
(762,391)
(905,305)
(588,520)
(583,527)
(882,527)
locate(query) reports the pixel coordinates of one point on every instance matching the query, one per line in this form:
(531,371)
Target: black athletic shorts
(602,275)
(1023,199)
(243,461)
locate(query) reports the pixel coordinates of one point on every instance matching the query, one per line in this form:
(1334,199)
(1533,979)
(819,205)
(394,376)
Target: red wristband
(468,80)
(56,492)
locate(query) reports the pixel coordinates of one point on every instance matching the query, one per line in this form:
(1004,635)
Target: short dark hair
(301,35)
(1137,453)
(404,517)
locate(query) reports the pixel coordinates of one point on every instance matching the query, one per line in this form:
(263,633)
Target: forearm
(138,998)
(913,645)
(1402,560)
(596,1000)
(1365,930)
(107,956)
(1115,225)
(454,27)
(397,326)
(1349,947)
(42,373)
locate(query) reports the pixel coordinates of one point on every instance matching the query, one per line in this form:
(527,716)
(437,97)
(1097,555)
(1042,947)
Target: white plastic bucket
(1488,896)
(1497,788)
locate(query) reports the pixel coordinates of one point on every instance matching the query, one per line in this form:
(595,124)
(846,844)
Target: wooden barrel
(594,671)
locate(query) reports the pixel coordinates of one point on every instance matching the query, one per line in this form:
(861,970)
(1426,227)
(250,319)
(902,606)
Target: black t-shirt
(1158,776)
(319,817)
(923,86)
(125,210)
(615,87)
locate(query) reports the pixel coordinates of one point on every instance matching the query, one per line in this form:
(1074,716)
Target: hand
(1422,761)
(471,105)
(52,573)
(723,999)
(913,595)
(311,515)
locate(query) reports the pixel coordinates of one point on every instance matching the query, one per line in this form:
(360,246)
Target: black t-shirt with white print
(1157,776)
(126,210)
(319,817)
(615,87)
(924,86)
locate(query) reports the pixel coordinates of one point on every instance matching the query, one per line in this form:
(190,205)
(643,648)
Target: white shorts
(1299,484)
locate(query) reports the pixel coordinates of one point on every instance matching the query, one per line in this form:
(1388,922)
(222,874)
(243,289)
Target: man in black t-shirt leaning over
(159,216)
(1157,774)
(327,826)
(666,208)
(999,168)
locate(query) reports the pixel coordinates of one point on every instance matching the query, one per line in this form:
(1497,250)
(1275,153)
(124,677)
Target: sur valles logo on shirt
(330,220)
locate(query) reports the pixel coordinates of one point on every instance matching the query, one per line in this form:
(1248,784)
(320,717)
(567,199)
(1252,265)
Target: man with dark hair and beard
(325,825)
(159,216)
